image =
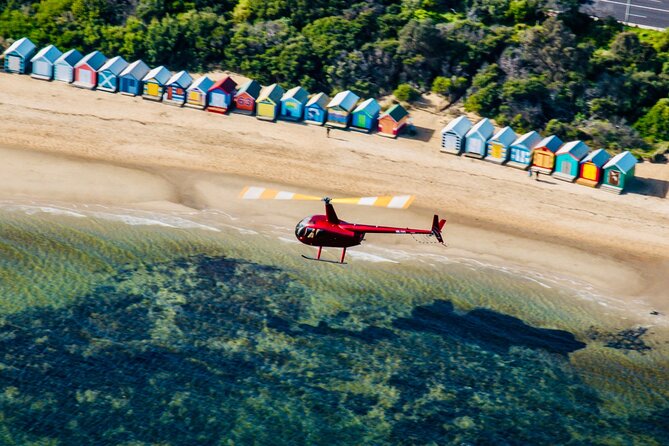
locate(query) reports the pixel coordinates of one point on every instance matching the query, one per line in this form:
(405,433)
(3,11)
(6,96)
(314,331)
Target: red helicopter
(329,231)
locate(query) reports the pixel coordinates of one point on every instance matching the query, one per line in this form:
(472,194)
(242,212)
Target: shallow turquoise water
(120,334)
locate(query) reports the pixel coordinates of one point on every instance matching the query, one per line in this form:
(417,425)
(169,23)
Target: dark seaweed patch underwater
(215,351)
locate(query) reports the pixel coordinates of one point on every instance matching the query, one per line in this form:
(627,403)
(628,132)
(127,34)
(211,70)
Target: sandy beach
(69,145)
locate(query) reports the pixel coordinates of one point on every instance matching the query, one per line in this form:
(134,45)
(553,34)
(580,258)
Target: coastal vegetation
(531,64)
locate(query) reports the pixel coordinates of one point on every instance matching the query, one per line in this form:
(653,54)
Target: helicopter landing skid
(324,260)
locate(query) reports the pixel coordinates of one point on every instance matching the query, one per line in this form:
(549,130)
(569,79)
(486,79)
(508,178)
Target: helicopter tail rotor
(437,226)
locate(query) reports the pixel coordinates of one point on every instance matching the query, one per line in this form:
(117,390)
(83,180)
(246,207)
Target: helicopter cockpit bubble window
(300,229)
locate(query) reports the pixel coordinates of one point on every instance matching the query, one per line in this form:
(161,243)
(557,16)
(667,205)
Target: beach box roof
(50,53)
(460,126)
(551,143)
(94,60)
(577,149)
(529,139)
(624,161)
(182,79)
(320,99)
(23,46)
(203,84)
(397,112)
(369,106)
(506,136)
(272,92)
(160,74)
(251,87)
(138,69)
(484,127)
(70,57)
(115,65)
(344,99)
(599,157)
(298,93)
(227,84)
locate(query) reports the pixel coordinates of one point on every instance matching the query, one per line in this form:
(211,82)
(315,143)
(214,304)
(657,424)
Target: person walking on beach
(327,131)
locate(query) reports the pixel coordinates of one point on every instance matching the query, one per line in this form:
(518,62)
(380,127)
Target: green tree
(614,137)
(253,48)
(451,88)
(406,93)
(524,102)
(421,50)
(330,35)
(655,123)
(630,52)
(484,96)
(550,50)
(564,130)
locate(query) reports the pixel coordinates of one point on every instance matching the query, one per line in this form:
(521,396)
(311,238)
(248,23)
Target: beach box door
(313,115)
(590,172)
(63,72)
(474,145)
(85,76)
(496,150)
(266,109)
(41,67)
(130,85)
(519,155)
(14,63)
(217,100)
(105,80)
(337,116)
(543,159)
(194,97)
(614,178)
(360,121)
(450,142)
(152,89)
(565,167)
(294,110)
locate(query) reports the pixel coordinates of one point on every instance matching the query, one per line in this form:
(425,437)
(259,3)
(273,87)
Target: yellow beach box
(268,103)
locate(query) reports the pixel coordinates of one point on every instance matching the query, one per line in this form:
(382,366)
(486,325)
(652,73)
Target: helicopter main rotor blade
(390,201)
(263,193)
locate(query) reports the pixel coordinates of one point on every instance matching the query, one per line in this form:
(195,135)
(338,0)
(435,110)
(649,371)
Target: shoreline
(168,192)
(149,153)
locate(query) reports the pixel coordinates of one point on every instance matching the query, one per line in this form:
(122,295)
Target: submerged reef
(628,339)
(211,350)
